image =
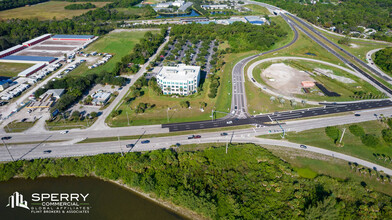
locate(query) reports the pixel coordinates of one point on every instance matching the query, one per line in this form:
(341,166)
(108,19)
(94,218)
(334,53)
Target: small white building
(100,98)
(180,79)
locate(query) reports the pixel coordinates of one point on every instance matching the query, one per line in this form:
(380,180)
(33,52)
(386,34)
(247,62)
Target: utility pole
(118,138)
(8,150)
(341,138)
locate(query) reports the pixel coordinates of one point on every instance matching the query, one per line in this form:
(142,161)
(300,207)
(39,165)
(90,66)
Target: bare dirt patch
(354,45)
(284,78)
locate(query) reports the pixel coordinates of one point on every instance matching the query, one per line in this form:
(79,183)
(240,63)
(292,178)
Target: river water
(105,200)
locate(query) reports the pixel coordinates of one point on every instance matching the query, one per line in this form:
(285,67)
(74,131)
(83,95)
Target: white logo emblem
(16,200)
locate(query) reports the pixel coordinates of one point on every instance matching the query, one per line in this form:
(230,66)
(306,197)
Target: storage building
(73,37)
(27,59)
(36,40)
(11,50)
(27,72)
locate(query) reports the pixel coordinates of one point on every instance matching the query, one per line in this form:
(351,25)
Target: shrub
(356,130)
(185,104)
(387,135)
(370,140)
(333,133)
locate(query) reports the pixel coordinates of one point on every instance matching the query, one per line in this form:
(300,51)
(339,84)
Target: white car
(229,122)
(63,132)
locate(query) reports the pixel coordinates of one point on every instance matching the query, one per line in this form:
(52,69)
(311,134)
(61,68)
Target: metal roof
(11,49)
(28,58)
(37,38)
(27,71)
(73,36)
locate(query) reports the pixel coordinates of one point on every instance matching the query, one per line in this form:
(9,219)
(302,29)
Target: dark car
(224,134)
(357,115)
(197,136)
(6,138)
(130,145)
(303,146)
(47,151)
(178,144)
(191,137)
(145,142)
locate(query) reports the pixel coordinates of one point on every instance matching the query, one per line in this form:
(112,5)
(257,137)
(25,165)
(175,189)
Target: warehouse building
(36,40)
(11,50)
(181,79)
(4,84)
(215,7)
(27,72)
(73,37)
(27,59)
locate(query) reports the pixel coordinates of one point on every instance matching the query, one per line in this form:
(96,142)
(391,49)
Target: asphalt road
(329,108)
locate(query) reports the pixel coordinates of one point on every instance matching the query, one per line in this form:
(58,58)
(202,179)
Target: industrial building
(27,59)
(11,50)
(180,79)
(36,40)
(100,98)
(215,7)
(27,72)
(256,20)
(4,84)
(73,37)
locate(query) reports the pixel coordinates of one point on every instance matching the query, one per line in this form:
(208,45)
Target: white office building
(180,79)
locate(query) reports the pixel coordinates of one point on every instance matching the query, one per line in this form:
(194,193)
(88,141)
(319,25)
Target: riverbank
(152,197)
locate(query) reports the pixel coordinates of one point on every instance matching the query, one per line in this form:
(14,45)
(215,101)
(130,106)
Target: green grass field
(117,43)
(360,48)
(17,126)
(46,11)
(10,70)
(352,145)
(309,164)
(258,10)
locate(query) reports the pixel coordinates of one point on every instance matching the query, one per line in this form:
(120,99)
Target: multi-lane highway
(380,86)
(328,108)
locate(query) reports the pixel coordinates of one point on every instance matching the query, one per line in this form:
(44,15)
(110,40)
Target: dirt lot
(285,78)
(41,54)
(60,42)
(52,48)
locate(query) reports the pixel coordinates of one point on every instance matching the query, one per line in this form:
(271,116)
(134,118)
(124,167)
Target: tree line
(79,6)
(248,182)
(9,4)
(345,15)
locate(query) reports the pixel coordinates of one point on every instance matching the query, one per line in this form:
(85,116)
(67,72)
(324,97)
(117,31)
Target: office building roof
(180,72)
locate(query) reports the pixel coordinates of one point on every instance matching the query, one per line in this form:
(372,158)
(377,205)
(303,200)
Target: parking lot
(198,53)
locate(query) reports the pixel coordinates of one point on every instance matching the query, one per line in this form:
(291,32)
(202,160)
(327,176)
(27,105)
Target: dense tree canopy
(80,6)
(344,15)
(247,183)
(8,4)
(241,37)
(383,58)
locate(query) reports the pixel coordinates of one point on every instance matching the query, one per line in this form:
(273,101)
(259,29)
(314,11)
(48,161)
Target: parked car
(130,145)
(145,142)
(303,146)
(229,122)
(224,134)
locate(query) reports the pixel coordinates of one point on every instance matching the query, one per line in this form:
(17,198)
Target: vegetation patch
(248,176)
